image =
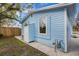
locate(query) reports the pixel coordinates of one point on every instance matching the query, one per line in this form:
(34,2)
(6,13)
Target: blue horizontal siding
(44,41)
(55,26)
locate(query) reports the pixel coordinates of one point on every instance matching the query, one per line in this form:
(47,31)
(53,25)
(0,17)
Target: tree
(9,10)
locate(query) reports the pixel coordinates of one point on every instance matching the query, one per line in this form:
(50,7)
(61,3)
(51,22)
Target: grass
(14,47)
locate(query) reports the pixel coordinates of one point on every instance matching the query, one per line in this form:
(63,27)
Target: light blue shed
(51,25)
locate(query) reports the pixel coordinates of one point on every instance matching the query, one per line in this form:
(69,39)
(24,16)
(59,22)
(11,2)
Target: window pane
(42,25)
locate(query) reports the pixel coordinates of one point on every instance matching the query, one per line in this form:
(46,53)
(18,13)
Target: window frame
(45,24)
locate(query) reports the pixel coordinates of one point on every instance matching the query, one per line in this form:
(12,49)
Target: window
(43,25)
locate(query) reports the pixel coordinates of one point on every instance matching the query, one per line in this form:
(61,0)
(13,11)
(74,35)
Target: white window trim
(39,27)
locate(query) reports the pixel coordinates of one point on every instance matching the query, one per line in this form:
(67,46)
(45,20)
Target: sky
(40,5)
(77,7)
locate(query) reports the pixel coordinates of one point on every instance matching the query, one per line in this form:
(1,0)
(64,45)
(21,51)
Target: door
(26,33)
(31,32)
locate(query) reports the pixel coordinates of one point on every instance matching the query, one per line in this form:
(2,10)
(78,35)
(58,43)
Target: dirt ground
(13,47)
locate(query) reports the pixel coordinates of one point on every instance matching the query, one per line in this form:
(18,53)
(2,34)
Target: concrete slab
(18,37)
(51,51)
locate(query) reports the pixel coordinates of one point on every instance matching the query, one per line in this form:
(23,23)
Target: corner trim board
(65,29)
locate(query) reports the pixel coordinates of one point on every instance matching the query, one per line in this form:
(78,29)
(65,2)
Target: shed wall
(55,26)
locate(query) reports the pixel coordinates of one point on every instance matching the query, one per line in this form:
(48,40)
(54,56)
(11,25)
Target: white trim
(65,29)
(39,27)
(26,33)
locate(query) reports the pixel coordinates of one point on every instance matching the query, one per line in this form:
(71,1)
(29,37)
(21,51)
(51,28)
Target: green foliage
(9,10)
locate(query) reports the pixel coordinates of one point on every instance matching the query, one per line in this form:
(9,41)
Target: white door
(26,33)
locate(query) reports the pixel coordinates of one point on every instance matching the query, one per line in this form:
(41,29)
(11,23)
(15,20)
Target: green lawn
(14,47)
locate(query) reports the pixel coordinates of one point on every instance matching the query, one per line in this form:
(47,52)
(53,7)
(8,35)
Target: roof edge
(48,8)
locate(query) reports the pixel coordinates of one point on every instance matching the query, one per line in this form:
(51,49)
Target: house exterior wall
(57,25)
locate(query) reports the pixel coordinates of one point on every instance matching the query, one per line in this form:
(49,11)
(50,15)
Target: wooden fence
(75,28)
(10,31)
